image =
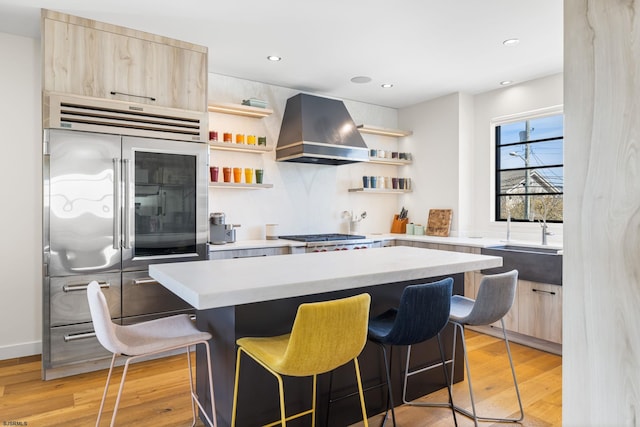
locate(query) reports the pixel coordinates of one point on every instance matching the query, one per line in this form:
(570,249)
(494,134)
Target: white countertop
(228,282)
(478,242)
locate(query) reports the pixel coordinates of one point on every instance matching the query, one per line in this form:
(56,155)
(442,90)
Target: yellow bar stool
(324,336)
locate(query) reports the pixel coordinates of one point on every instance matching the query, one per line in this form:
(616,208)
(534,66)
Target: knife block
(399,225)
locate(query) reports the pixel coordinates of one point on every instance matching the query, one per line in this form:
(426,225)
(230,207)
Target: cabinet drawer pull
(145,282)
(79,336)
(249,256)
(544,292)
(113,92)
(83,287)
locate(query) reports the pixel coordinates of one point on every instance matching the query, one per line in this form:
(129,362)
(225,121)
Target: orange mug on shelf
(226,172)
(237,175)
(239,138)
(227,137)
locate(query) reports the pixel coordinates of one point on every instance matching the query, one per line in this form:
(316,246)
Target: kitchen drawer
(142,295)
(68,297)
(248,253)
(75,343)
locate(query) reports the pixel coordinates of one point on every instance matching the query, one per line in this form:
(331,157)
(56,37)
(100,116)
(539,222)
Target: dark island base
(258,402)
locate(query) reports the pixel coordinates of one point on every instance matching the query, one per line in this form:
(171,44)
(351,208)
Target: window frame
(497,193)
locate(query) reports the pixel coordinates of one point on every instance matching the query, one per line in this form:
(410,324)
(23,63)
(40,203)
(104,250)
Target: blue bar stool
(422,314)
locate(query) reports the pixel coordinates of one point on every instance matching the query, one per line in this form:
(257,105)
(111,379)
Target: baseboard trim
(20,350)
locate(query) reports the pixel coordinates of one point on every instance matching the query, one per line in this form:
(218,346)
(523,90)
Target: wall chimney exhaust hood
(319,131)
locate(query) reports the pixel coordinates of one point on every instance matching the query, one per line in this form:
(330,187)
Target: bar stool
(145,339)
(422,314)
(495,297)
(324,336)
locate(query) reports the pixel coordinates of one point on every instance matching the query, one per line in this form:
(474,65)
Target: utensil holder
(399,225)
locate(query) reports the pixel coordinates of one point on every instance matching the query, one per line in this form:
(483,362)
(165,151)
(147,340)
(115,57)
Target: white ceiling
(425,48)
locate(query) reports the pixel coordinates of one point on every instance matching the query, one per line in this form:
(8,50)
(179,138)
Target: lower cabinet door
(540,310)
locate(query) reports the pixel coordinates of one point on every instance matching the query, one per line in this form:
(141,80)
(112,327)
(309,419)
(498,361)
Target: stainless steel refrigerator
(113,205)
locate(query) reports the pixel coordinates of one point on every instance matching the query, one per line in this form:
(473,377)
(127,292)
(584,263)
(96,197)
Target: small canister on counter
(227,137)
(239,138)
(409,228)
(262,140)
(213,135)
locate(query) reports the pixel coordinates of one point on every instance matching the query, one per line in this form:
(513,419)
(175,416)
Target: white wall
(435,144)
(454,146)
(305,198)
(20,180)
(534,95)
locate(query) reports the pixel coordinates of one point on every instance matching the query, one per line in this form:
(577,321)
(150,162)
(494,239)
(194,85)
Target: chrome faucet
(545,232)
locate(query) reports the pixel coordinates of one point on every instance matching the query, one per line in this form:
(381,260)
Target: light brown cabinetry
(90,58)
(535,317)
(540,310)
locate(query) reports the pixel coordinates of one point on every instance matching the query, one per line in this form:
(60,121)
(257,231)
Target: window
(530,170)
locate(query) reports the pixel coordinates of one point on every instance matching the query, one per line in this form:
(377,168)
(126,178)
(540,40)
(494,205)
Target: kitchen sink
(533,263)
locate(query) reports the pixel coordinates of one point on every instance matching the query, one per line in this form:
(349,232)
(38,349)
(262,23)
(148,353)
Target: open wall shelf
(239,110)
(239,185)
(375,130)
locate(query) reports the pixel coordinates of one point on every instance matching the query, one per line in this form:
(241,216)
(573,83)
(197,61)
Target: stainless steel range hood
(319,131)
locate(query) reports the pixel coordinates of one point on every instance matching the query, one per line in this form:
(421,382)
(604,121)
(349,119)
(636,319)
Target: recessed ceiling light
(506,82)
(274,58)
(511,42)
(386,85)
(360,79)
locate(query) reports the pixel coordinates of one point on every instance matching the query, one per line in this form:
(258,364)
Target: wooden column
(601,344)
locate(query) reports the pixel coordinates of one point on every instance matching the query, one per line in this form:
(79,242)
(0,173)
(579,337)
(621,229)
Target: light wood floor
(157,395)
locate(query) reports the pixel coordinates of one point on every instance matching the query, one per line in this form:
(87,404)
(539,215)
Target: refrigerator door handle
(117,204)
(127,204)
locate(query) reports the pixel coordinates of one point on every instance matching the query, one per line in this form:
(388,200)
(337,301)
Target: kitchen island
(260,296)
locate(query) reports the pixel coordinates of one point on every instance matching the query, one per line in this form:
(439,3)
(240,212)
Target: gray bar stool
(495,297)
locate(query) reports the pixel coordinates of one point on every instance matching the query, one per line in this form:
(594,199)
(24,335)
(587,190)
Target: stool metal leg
(473,414)
(390,403)
(448,381)
(106,388)
(365,421)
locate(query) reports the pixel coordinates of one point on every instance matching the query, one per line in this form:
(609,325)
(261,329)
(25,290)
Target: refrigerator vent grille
(123,118)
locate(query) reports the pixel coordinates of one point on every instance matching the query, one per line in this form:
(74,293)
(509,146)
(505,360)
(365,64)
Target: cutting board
(439,222)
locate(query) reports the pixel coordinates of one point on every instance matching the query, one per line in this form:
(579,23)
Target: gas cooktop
(322,237)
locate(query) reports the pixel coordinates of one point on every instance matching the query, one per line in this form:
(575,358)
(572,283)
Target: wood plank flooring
(157,394)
